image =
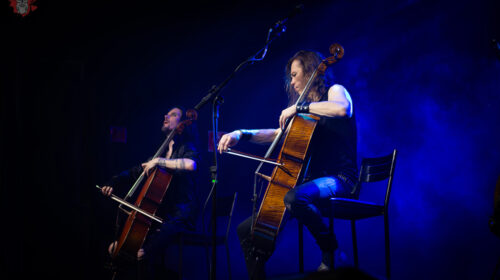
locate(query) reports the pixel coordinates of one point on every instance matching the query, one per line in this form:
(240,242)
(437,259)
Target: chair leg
(354,244)
(228,261)
(496,274)
(387,247)
(180,256)
(207,254)
(332,253)
(301,247)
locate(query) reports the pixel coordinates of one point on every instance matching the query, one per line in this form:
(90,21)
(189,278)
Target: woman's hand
(229,140)
(287,113)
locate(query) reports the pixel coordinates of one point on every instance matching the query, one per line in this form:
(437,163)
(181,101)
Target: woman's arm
(258,136)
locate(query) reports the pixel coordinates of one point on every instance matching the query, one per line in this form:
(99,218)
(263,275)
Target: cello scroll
(337,52)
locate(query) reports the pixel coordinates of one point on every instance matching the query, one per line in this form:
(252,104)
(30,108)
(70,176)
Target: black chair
(224,211)
(494,224)
(372,170)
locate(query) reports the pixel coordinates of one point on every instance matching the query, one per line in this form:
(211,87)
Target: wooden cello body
(293,156)
(137,225)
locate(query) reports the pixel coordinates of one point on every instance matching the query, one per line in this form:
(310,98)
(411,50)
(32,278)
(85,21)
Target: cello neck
(164,145)
(160,151)
(305,93)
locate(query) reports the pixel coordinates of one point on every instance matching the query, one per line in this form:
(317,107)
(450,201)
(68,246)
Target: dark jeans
(302,203)
(153,265)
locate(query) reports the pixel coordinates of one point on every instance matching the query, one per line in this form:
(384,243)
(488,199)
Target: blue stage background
(424,77)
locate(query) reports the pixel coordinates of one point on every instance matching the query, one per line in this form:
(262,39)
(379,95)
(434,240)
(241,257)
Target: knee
(297,199)
(292,199)
(243,229)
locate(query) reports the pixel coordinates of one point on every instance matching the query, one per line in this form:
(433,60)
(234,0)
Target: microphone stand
(214,96)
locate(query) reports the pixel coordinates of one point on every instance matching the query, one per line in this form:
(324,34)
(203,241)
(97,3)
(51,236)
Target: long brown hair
(309,60)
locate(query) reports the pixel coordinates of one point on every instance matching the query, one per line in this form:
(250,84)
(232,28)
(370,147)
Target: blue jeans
(303,203)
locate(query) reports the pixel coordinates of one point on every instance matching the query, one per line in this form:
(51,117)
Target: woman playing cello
(332,167)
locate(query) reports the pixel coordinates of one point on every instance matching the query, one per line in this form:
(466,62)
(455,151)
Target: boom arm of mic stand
(212,96)
(214,91)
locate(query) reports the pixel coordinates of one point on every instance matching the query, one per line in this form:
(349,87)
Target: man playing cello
(178,208)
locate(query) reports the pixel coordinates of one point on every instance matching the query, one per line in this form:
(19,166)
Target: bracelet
(303,108)
(245,135)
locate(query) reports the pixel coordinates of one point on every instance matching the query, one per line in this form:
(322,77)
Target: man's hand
(148,166)
(107,190)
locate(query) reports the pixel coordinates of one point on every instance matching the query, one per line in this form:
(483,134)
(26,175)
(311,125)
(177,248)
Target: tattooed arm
(181,164)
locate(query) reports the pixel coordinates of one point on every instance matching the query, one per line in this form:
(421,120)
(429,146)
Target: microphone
(297,10)
(496,47)
(280,27)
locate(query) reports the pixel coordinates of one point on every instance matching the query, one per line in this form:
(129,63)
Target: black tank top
(333,149)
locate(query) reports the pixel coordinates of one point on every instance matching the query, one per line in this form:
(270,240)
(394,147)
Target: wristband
(245,135)
(303,108)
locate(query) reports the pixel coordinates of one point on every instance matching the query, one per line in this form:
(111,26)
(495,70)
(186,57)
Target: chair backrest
(224,208)
(225,205)
(378,169)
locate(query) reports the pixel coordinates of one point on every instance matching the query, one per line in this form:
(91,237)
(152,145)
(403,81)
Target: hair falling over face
(309,60)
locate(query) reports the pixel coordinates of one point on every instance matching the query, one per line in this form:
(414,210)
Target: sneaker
(326,260)
(323,267)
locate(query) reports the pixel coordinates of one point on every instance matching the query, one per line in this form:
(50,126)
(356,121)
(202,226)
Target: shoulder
(338,87)
(338,92)
(186,149)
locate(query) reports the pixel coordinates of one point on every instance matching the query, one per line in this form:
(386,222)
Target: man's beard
(165,129)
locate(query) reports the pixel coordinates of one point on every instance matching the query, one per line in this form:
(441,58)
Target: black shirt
(180,203)
(333,149)
(181,200)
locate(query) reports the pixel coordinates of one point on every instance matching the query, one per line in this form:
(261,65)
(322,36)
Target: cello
(292,161)
(142,214)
